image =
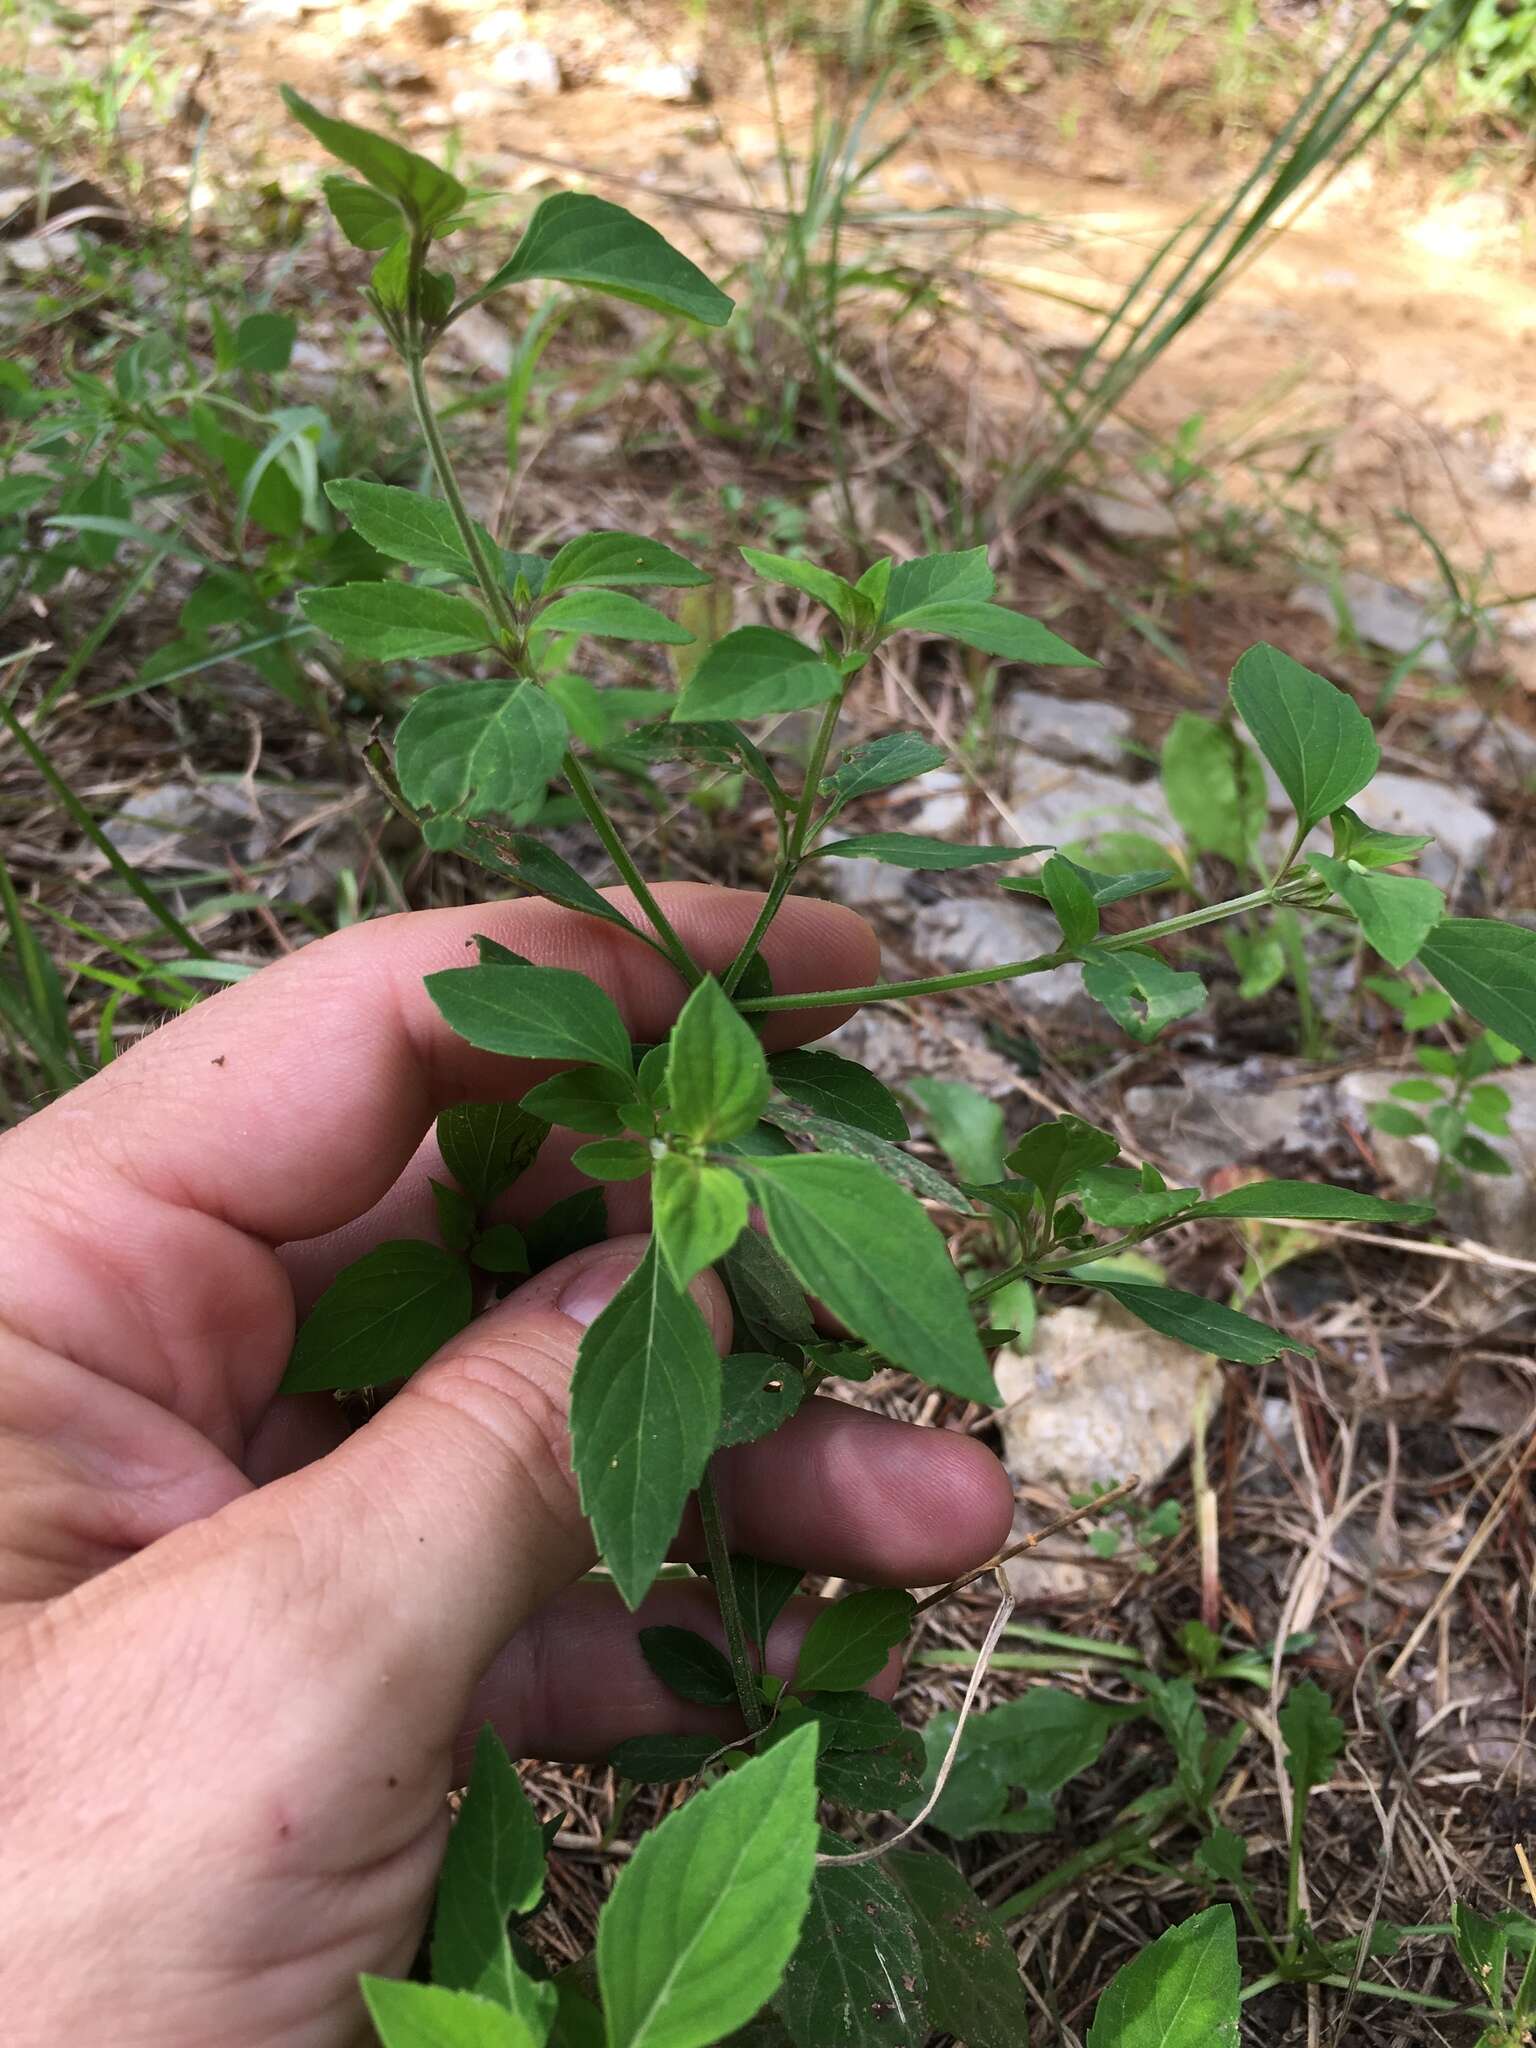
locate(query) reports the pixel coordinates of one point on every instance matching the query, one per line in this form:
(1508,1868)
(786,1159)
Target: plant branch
(1012,970)
(613,845)
(748,1697)
(794,845)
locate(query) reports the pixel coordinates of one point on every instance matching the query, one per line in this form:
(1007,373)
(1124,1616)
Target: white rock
(1497,748)
(1098,1397)
(526,67)
(479,338)
(1060,805)
(1411,803)
(1379,612)
(962,932)
(1132,511)
(676,84)
(864,882)
(1230,1116)
(1067,729)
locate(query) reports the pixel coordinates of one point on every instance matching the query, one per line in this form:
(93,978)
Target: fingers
(540,1695)
(292,1103)
(841,1490)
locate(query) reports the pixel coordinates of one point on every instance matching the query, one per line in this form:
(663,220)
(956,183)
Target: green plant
(738,1900)
(1451,1099)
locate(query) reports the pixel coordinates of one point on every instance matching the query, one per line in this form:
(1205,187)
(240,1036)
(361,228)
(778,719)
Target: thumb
(439,1527)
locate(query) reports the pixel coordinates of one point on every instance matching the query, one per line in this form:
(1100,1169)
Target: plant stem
(495,595)
(592,808)
(1341,1983)
(747,1694)
(491,586)
(1012,970)
(794,845)
(1120,1842)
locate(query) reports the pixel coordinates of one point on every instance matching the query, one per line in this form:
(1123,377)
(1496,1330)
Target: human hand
(240,1650)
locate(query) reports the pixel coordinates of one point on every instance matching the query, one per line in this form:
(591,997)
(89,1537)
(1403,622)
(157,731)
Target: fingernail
(587,1293)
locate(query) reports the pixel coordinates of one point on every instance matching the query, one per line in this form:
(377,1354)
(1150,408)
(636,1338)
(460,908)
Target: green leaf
(693,1668)
(585,241)
(763,1591)
(864,1247)
(1224,1855)
(1073,902)
(881,764)
(611,615)
(367,218)
(396,621)
(1054,1154)
(621,558)
(585,1099)
(540,869)
(831,1086)
(645,1406)
(717,1077)
(536,1013)
(1396,912)
(975,1991)
(662,1759)
(849,1721)
(427,2016)
(493,747)
(1204,1325)
(406,526)
(698,1212)
(381,1318)
(856,1979)
(504,1981)
(1309,1202)
(1490,968)
(501,1249)
(758,1393)
(966,1124)
(913,850)
(567,1226)
(993,630)
(754,671)
(494,1868)
(874,1779)
(613,1159)
(828,1135)
(827,589)
(1120,1199)
(1215,788)
(1318,740)
(486,1145)
(455,1216)
(1395,1121)
(1314,1736)
(935,579)
(1181,1992)
(707,1912)
(426,195)
(1103,888)
(1482,1948)
(850,1640)
(264,342)
(1141,991)
(772,1313)
(1354,840)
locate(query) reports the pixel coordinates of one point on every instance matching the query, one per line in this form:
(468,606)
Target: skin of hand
(243,1652)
